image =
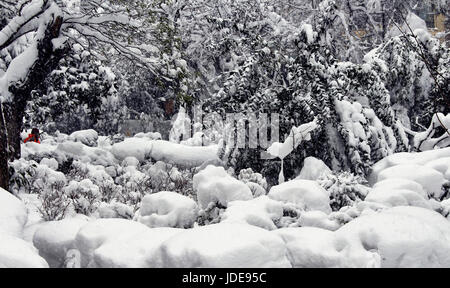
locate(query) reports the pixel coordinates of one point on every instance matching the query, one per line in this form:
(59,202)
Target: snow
(87,137)
(310,247)
(306,194)
(421,158)
(86,154)
(135,251)
(130,161)
(13,214)
(214,185)
(442,165)
(168,152)
(222,246)
(101,231)
(140,148)
(16,253)
(309,32)
(50,163)
(55,238)
(313,169)
(295,138)
(397,197)
(400,237)
(430,179)
(181,155)
(167,209)
(318,219)
(414,22)
(262,212)
(401,184)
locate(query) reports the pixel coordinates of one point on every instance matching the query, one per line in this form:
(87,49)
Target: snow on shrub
(345,189)
(262,212)
(13,214)
(182,155)
(421,158)
(115,210)
(86,154)
(430,179)
(397,197)
(310,247)
(222,246)
(133,250)
(398,237)
(401,184)
(306,194)
(318,219)
(85,196)
(87,137)
(255,181)
(130,161)
(167,209)
(96,233)
(139,148)
(16,253)
(55,238)
(214,185)
(51,163)
(313,169)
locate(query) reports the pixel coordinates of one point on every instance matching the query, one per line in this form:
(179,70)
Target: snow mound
(181,155)
(401,184)
(430,179)
(86,154)
(50,163)
(168,209)
(422,158)
(98,232)
(54,239)
(318,219)
(442,165)
(397,197)
(17,253)
(132,252)
(130,161)
(313,169)
(398,237)
(260,212)
(140,148)
(222,246)
(306,194)
(87,137)
(214,185)
(309,247)
(13,214)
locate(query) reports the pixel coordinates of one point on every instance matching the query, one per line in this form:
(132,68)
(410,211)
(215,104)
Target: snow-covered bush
(54,201)
(84,196)
(305,194)
(345,189)
(167,209)
(262,212)
(87,137)
(222,245)
(215,185)
(255,181)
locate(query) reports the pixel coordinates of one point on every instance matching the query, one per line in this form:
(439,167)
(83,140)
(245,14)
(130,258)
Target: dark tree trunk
(4,173)
(47,60)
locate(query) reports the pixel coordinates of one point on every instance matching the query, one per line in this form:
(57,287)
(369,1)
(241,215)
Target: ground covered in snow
(84,200)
